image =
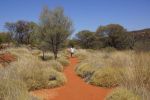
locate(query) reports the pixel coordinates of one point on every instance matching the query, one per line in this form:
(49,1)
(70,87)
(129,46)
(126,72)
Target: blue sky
(86,14)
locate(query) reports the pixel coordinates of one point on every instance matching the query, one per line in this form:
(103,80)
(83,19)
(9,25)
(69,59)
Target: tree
(140,40)
(31,35)
(86,39)
(72,43)
(115,35)
(4,37)
(43,47)
(55,28)
(102,31)
(102,36)
(21,31)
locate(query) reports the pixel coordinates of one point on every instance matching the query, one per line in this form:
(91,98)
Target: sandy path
(74,89)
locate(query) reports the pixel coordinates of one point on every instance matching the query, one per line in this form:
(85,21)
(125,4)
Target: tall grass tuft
(28,73)
(128,69)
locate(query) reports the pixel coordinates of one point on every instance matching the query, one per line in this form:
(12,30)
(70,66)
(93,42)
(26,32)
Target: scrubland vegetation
(110,57)
(29,72)
(128,70)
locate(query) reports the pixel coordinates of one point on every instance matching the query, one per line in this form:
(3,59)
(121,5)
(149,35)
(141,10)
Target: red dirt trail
(74,89)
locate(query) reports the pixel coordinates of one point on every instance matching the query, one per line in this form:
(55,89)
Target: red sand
(74,89)
(6,57)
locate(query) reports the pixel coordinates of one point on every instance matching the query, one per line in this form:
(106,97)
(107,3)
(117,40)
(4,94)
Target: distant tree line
(141,39)
(54,28)
(22,32)
(113,35)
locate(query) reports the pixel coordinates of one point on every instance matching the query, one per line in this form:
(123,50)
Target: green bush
(56,65)
(122,94)
(4,37)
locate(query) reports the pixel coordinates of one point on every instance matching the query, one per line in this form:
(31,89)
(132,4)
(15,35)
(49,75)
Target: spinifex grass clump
(123,94)
(28,73)
(11,89)
(106,77)
(128,69)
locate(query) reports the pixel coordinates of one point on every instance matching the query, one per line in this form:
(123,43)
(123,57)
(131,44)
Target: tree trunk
(43,56)
(55,55)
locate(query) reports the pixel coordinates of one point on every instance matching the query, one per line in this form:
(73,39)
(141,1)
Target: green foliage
(140,40)
(55,28)
(72,42)
(23,32)
(44,47)
(4,37)
(86,39)
(142,45)
(112,35)
(115,36)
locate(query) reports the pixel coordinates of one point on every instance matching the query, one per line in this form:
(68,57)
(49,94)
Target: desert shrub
(47,56)
(63,61)
(85,70)
(56,79)
(13,90)
(90,64)
(56,65)
(28,73)
(120,58)
(137,75)
(106,77)
(19,50)
(81,54)
(45,79)
(36,52)
(109,49)
(122,94)
(5,37)
(35,73)
(64,53)
(129,69)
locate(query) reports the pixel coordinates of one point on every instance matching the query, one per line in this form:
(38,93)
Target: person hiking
(72,50)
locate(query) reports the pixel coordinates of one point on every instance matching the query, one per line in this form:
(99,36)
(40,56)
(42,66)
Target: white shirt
(72,50)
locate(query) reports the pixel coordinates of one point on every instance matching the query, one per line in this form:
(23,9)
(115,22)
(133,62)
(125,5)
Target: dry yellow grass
(106,77)
(30,70)
(135,68)
(122,94)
